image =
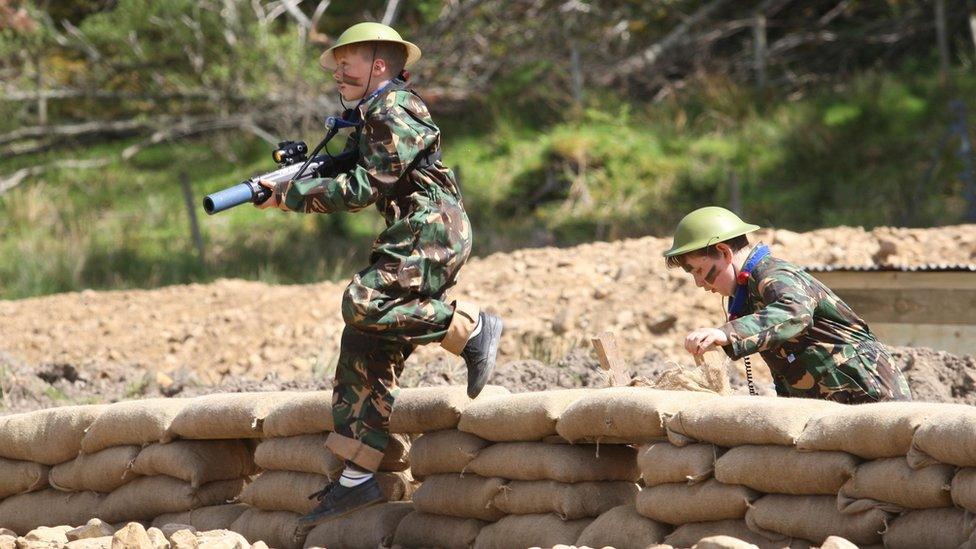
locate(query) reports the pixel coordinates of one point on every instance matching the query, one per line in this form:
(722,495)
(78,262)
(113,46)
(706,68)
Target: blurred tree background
(567,121)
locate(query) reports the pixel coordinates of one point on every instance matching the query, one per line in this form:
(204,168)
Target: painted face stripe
(711,275)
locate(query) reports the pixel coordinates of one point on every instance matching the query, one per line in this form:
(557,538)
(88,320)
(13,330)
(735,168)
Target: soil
(236,335)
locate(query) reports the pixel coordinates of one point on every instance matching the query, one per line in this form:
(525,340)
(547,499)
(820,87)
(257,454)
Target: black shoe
(480,351)
(336,500)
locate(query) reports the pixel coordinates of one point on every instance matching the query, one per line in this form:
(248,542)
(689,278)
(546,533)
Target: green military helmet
(706,226)
(368,32)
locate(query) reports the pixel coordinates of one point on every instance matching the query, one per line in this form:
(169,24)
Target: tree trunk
(759,49)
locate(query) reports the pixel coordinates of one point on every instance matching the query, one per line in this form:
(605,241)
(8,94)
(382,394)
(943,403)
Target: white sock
(477,329)
(350,477)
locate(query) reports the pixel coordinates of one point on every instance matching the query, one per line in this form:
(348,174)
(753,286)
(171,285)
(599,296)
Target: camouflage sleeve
(788,313)
(392,140)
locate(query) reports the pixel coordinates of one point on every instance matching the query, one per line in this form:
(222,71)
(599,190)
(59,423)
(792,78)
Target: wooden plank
(608,354)
(956,339)
(922,306)
(838,280)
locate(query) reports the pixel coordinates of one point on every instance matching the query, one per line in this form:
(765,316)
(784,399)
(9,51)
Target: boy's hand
(272,201)
(705,339)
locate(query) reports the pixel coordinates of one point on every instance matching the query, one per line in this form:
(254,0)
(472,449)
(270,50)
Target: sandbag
(945,528)
(723,542)
(813,518)
(681,503)
(226,415)
(24,512)
(530,531)
(212,517)
(102,471)
(518,417)
(278,529)
(467,496)
(447,451)
(963,489)
(425,409)
(562,462)
(17,477)
(891,485)
(424,530)
(302,453)
(137,422)
(196,461)
(302,413)
(623,528)
(367,528)
(283,491)
(740,420)
(397,485)
(687,535)
(946,437)
(871,431)
(290,491)
(784,470)
(396,457)
(665,463)
(632,414)
(145,498)
(568,500)
(49,436)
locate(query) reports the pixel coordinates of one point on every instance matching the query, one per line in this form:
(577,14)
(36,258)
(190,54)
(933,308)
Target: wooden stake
(607,352)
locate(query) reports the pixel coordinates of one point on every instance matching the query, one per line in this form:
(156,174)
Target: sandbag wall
(240,461)
(770,471)
(531,469)
(66,465)
(507,477)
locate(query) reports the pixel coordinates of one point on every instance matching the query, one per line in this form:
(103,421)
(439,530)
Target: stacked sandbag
(529,485)
(726,455)
(943,440)
(367,528)
(295,465)
(176,477)
(910,485)
(32,445)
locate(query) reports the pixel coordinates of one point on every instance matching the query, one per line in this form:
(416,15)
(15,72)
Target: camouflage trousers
(870,375)
(389,308)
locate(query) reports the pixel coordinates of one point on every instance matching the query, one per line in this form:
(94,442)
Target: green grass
(855,154)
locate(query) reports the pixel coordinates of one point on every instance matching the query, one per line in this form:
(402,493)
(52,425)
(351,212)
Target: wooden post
(192,212)
(607,352)
(39,84)
(735,193)
(576,72)
(759,49)
(943,40)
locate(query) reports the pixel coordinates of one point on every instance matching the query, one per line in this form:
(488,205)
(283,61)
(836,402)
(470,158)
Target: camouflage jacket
(813,343)
(397,130)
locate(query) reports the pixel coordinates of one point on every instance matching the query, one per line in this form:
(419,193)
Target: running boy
(397,302)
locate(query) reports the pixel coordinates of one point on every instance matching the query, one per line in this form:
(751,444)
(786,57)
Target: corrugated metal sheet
(890,267)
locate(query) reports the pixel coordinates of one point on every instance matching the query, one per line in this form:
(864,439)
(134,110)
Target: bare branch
(291,6)
(650,56)
(183,128)
(392,7)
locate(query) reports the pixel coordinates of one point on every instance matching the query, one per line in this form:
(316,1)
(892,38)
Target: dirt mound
(238,335)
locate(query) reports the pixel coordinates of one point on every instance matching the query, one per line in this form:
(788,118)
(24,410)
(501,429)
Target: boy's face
(712,274)
(352,74)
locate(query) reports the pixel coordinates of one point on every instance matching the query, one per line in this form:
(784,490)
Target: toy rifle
(293,165)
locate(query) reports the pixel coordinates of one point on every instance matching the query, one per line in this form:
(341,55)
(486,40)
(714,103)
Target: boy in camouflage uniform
(813,343)
(397,302)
